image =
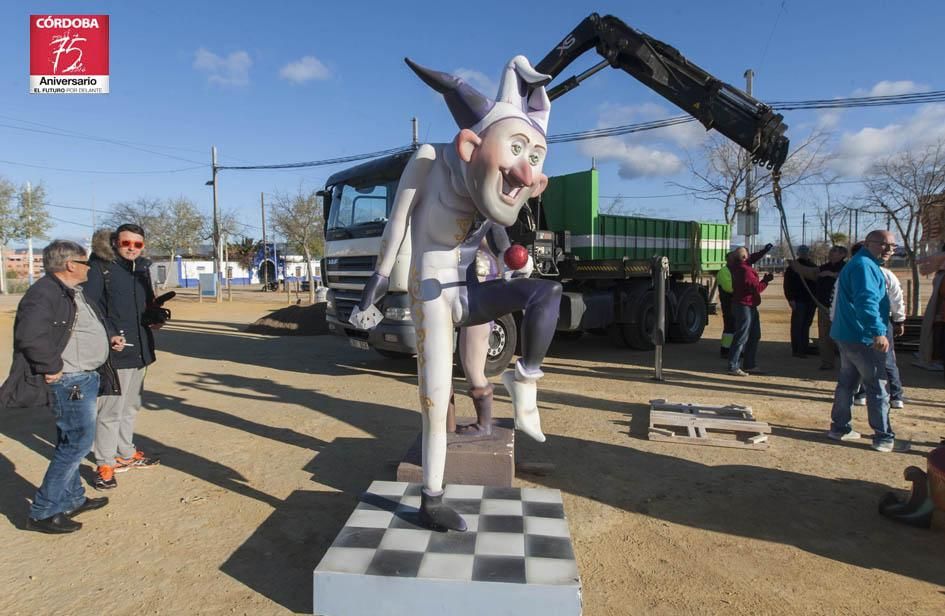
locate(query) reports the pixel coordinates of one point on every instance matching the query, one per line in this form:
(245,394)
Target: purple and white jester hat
(521,95)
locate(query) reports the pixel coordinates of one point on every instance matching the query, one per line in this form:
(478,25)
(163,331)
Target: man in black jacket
(121,286)
(59,343)
(800,295)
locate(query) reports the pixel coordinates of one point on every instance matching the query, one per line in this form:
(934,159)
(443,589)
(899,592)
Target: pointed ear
(542,185)
(466,143)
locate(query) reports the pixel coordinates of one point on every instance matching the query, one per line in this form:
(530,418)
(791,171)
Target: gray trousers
(115,425)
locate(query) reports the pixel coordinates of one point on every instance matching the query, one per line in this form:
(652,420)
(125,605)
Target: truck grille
(347,276)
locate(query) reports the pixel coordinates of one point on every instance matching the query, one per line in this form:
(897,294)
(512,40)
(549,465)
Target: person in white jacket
(897,317)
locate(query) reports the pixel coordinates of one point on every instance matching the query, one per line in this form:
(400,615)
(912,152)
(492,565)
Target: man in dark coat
(800,296)
(120,283)
(59,343)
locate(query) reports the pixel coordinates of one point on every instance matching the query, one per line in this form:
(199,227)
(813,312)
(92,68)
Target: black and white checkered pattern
(516,535)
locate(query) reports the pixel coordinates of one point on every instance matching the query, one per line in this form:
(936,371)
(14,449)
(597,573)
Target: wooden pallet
(707,428)
(734,411)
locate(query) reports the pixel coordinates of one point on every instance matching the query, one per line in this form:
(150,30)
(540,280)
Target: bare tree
(299,219)
(7,226)
(171,226)
(898,187)
(143,212)
(721,172)
(33,218)
(179,228)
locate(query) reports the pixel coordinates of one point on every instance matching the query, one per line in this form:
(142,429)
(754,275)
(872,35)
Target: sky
(296,81)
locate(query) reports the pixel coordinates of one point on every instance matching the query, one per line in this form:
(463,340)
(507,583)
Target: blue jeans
(860,361)
(62,488)
(747,336)
(892,371)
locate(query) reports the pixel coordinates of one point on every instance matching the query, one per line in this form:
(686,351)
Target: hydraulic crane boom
(743,119)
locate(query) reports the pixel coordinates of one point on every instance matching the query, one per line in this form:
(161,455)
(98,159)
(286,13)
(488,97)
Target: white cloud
(633,160)
(892,88)
(478,80)
(828,119)
(233,70)
(304,69)
(644,154)
(857,152)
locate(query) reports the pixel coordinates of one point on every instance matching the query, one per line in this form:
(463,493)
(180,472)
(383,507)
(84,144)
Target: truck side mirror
(323,198)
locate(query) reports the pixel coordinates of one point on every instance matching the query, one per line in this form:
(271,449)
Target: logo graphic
(69,54)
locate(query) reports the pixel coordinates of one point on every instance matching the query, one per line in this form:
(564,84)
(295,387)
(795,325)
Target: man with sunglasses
(860,324)
(59,344)
(120,283)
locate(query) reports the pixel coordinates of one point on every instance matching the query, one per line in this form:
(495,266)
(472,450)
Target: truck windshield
(359,211)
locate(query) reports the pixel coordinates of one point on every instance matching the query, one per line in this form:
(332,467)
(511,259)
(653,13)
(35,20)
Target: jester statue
(455,199)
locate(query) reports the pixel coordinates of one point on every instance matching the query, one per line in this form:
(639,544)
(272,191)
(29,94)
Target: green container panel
(571,203)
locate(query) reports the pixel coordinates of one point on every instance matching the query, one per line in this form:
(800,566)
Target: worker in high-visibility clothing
(723,279)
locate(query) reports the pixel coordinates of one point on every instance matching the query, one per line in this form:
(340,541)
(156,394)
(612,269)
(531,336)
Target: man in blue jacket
(859,328)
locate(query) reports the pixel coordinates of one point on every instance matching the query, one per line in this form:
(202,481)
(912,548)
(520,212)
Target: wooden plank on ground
(708,429)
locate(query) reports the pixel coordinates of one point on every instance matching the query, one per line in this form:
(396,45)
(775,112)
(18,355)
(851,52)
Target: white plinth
(515,559)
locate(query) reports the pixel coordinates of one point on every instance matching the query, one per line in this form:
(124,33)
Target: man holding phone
(120,283)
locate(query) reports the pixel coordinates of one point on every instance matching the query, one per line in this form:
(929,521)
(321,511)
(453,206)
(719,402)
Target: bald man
(861,316)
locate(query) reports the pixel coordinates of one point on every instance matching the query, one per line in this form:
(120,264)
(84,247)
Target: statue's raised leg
(540,300)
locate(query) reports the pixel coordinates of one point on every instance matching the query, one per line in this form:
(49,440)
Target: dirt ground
(267,441)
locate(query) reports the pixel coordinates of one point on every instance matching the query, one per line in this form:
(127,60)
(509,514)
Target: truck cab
(357,203)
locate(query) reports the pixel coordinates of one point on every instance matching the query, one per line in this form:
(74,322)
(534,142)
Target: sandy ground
(266,443)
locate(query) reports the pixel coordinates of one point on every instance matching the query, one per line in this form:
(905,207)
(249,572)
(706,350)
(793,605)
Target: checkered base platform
(516,558)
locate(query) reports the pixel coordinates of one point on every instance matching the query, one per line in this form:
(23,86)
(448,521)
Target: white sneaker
(852,435)
(859,401)
(524,396)
(883,446)
(896,404)
(738,372)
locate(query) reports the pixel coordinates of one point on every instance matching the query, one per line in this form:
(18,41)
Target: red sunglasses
(129,243)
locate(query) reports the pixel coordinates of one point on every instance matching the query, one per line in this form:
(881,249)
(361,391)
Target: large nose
(521,173)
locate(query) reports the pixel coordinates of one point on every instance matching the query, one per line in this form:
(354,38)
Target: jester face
(504,167)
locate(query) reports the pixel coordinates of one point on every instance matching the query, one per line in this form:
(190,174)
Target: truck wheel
(393,354)
(690,317)
(638,335)
(502,341)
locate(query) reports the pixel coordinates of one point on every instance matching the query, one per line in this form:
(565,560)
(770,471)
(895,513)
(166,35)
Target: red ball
(516,257)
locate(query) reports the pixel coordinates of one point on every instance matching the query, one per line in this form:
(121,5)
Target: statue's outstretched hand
(366,315)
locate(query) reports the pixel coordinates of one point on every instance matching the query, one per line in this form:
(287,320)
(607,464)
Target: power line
(321,163)
(70,222)
(99,171)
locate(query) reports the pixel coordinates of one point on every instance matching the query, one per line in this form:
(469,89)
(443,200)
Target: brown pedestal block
(487,461)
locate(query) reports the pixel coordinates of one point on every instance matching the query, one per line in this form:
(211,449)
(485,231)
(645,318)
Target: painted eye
(534,159)
(516,148)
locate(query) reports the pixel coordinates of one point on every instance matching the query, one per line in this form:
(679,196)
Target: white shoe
(896,404)
(524,396)
(852,435)
(883,446)
(859,401)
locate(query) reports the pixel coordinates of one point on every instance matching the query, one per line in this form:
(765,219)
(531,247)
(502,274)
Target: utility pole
(750,212)
(265,266)
(29,232)
(217,252)
(804,228)
(826,233)
(856,223)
